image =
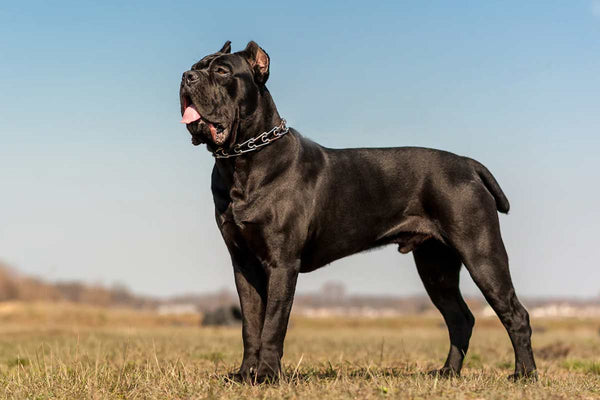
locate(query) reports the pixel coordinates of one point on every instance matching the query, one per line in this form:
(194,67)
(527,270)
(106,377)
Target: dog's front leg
(280,296)
(251,281)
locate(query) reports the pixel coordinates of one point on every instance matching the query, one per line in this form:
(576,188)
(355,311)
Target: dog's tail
(492,186)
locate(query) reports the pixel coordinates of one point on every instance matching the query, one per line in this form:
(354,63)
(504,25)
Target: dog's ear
(259,61)
(226,47)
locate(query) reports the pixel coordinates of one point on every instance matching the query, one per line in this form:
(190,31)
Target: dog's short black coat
(294,206)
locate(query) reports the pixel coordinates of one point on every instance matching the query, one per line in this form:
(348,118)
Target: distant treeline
(17,287)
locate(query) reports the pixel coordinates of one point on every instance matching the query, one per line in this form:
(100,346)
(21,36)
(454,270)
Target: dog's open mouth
(191,116)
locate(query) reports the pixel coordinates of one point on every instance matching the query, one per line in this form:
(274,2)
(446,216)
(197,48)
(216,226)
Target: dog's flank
(294,206)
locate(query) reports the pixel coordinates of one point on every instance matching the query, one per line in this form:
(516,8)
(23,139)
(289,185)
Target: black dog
(286,205)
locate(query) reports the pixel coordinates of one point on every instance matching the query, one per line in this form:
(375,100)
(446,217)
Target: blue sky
(99,181)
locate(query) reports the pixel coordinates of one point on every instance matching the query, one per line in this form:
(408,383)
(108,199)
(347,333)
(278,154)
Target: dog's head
(220,90)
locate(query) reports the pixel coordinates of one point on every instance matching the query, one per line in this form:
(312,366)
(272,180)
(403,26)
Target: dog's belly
(407,234)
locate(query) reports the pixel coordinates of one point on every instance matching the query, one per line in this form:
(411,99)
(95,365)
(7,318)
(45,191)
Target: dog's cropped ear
(259,61)
(226,47)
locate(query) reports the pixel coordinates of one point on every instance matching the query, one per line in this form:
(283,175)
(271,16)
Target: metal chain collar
(254,143)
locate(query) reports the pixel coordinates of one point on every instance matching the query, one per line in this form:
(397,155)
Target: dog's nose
(190,77)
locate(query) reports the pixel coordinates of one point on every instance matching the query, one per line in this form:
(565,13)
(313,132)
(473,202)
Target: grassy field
(75,352)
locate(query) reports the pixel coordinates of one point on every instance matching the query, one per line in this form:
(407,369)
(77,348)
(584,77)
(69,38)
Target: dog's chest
(233,219)
(232,196)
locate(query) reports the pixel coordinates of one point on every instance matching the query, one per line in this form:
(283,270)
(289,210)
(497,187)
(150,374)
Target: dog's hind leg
(484,256)
(439,269)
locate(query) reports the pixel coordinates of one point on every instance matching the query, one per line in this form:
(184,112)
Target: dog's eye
(221,71)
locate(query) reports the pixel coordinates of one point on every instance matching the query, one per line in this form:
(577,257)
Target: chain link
(254,143)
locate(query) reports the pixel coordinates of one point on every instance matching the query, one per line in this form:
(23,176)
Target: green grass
(587,366)
(324,359)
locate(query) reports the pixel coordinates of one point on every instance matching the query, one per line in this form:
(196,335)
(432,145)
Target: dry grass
(70,352)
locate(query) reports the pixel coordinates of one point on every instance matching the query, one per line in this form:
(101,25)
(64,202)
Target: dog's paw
(268,371)
(444,372)
(267,378)
(247,371)
(246,375)
(531,376)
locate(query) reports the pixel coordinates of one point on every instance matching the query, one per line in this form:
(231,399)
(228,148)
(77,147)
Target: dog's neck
(265,118)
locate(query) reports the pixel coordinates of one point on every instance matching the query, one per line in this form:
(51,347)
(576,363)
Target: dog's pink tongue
(190,115)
